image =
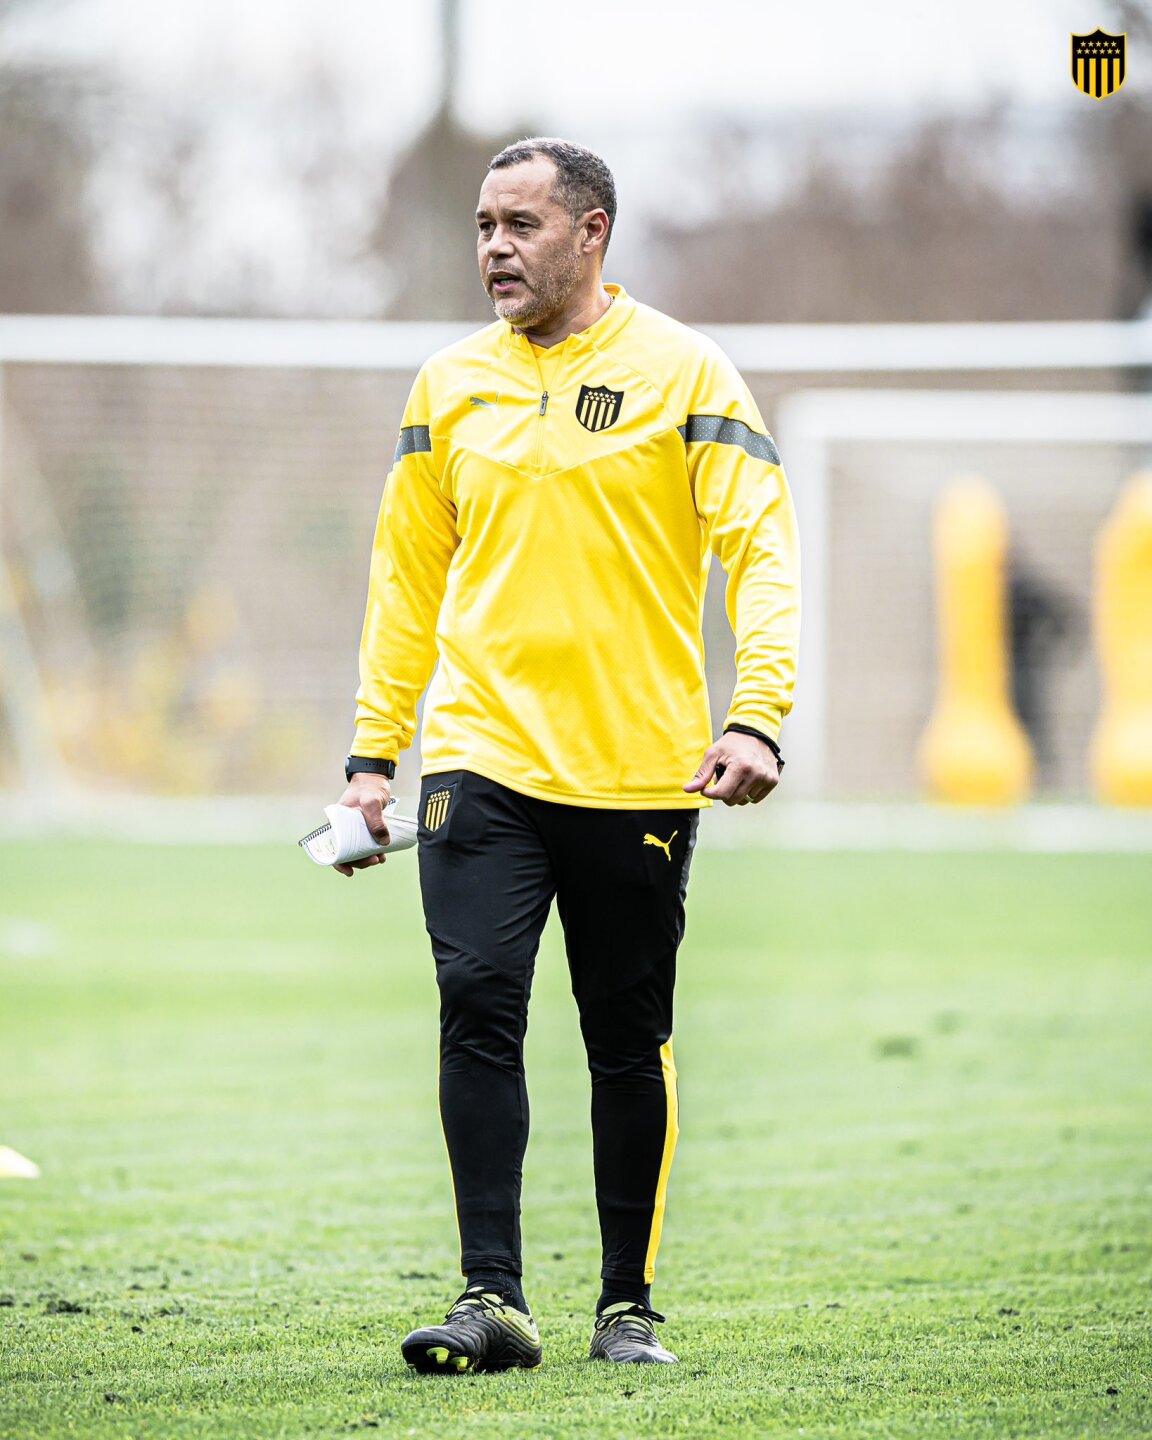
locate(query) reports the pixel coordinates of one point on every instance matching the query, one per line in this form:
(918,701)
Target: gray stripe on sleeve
(413,438)
(721,431)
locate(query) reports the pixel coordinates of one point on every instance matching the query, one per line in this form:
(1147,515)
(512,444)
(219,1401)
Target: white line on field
(796,825)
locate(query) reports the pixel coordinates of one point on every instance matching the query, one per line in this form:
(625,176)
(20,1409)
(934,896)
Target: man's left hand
(738,769)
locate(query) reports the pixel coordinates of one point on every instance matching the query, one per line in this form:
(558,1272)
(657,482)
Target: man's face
(530,258)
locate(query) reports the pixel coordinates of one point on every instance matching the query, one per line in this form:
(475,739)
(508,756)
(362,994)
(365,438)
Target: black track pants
(491,861)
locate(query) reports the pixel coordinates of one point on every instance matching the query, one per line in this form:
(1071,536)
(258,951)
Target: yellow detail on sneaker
(522,1324)
(625,1333)
(480,1332)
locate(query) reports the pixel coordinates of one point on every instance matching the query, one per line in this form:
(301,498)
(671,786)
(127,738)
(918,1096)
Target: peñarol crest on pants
(597,407)
(1098,63)
(436,809)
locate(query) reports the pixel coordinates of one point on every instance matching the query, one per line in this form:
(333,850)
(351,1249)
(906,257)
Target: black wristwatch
(759,735)
(363,765)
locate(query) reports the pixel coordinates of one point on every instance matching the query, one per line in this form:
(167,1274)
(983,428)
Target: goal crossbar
(400,345)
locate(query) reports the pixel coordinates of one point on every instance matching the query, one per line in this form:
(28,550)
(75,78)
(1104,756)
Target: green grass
(911,1198)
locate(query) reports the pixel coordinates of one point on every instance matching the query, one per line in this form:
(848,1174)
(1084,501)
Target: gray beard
(548,298)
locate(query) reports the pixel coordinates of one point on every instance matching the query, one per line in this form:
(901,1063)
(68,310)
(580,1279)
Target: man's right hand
(369,794)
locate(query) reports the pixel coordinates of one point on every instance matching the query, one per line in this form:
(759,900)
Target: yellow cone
(974,750)
(1121,752)
(14,1166)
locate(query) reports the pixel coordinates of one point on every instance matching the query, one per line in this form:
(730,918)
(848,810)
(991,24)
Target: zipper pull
(544,402)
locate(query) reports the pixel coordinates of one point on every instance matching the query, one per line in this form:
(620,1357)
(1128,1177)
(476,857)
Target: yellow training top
(549,543)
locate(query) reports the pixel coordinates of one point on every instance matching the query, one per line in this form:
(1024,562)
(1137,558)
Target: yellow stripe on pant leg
(668,1066)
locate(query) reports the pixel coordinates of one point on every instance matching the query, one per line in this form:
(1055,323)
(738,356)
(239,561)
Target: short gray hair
(583,181)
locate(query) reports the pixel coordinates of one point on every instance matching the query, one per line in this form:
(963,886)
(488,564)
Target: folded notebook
(346,837)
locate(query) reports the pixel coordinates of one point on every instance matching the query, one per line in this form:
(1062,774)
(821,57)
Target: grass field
(911,1198)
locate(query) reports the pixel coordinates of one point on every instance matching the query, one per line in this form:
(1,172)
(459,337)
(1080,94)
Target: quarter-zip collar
(597,334)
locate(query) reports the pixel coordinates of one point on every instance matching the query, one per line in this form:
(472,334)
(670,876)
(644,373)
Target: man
(544,536)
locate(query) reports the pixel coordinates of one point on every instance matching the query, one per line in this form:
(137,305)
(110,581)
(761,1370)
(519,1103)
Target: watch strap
(368,765)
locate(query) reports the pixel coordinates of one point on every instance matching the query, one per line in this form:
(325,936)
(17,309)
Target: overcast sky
(643,81)
(621,61)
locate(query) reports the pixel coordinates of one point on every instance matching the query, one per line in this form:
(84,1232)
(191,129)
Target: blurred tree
(425,229)
(937,233)
(1121,151)
(425,222)
(46,258)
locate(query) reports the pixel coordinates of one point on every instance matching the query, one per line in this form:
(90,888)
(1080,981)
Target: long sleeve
(742,497)
(547,558)
(415,539)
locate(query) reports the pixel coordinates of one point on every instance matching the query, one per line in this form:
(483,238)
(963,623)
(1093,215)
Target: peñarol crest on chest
(597,407)
(1098,63)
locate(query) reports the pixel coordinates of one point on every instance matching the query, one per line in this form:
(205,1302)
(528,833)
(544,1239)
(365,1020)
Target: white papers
(346,837)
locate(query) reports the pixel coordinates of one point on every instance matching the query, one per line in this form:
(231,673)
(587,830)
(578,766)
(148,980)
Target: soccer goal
(186,510)
(870,465)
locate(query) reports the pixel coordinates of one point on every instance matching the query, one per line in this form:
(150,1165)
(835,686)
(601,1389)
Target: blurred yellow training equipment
(1122,744)
(974,750)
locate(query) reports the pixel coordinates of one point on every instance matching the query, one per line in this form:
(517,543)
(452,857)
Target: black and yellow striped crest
(1099,63)
(597,407)
(436,809)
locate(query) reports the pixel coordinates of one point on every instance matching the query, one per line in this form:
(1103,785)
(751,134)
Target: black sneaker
(480,1332)
(625,1332)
